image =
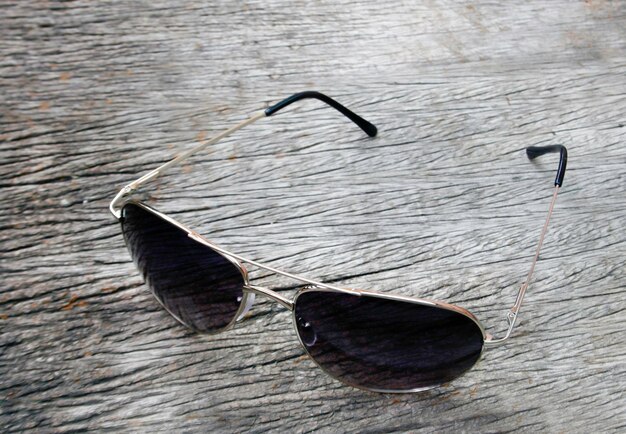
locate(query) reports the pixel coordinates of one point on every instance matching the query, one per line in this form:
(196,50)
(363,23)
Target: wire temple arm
(119,199)
(369,128)
(536,151)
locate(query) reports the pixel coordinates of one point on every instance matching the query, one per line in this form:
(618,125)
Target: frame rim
(240,267)
(406,299)
(238,261)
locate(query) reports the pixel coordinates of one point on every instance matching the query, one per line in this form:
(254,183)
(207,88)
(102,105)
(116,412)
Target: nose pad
(249,299)
(306,331)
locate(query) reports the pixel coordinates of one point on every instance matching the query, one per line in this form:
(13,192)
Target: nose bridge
(270,294)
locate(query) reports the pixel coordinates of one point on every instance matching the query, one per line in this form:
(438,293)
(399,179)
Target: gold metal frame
(248,298)
(124,196)
(405,299)
(312,285)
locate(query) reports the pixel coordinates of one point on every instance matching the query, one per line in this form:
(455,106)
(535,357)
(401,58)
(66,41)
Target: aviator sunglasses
(370,340)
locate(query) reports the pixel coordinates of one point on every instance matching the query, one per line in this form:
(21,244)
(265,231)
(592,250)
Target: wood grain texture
(442,204)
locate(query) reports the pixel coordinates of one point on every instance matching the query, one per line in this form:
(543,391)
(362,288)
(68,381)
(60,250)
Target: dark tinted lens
(383,344)
(195,283)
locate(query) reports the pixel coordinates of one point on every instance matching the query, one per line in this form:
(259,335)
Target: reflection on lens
(386,345)
(195,283)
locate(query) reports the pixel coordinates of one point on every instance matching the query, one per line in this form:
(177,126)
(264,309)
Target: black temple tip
(369,128)
(535,151)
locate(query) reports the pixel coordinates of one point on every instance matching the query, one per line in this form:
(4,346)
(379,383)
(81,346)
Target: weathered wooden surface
(442,204)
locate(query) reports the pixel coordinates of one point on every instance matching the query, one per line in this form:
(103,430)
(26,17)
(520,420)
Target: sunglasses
(366,339)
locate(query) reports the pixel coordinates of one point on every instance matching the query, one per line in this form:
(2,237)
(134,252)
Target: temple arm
(366,126)
(532,153)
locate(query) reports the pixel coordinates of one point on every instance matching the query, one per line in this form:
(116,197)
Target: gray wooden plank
(442,204)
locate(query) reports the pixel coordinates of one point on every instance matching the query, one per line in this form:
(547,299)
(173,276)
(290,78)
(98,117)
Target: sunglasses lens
(385,345)
(199,286)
